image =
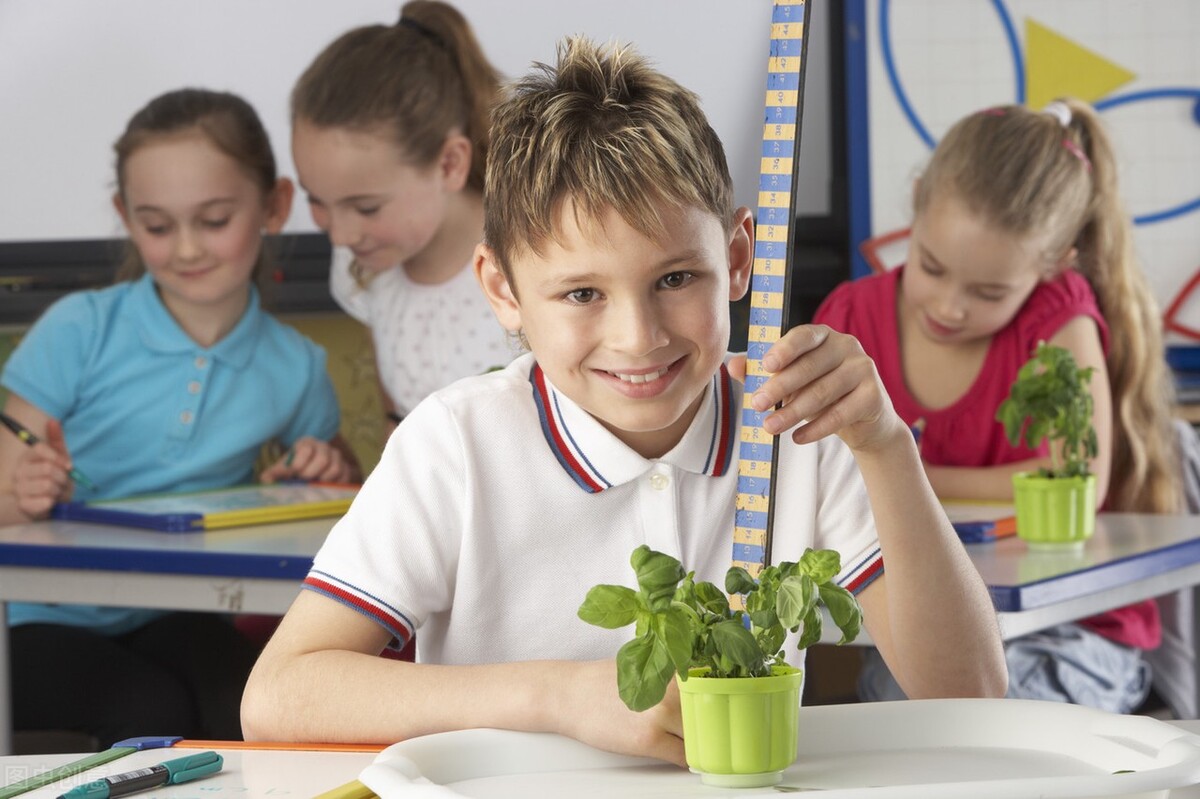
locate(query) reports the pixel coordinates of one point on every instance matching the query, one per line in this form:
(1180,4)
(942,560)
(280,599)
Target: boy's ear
(741,254)
(455,161)
(279,205)
(496,288)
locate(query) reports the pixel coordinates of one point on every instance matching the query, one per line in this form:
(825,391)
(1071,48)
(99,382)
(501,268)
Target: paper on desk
(399,776)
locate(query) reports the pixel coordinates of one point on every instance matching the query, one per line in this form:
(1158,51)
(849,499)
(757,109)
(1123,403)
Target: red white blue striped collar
(596,459)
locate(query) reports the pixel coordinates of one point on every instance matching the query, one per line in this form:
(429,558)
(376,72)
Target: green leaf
(686,592)
(812,628)
(658,574)
(675,628)
(821,565)
(645,617)
(736,645)
(789,569)
(712,599)
(763,619)
(610,606)
(689,612)
(844,609)
(739,581)
(795,599)
(643,670)
(771,640)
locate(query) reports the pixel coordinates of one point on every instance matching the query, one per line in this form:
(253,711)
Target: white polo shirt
(499,502)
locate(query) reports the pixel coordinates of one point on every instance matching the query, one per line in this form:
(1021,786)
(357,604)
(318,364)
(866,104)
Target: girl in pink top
(1019,236)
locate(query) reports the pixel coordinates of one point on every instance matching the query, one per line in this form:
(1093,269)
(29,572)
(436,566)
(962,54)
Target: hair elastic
(424,30)
(1060,111)
(1077,151)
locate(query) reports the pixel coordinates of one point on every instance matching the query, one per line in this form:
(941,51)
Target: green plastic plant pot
(1054,511)
(741,732)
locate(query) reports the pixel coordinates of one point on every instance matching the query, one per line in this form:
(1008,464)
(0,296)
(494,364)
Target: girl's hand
(313,460)
(41,477)
(824,379)
(592,712)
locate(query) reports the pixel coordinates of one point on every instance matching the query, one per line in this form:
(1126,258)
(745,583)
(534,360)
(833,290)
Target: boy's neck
(451,248)
(653,444)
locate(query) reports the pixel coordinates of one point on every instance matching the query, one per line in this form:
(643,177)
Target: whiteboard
(72,72)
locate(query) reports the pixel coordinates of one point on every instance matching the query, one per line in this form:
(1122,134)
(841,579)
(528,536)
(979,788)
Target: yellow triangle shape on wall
(1055,66)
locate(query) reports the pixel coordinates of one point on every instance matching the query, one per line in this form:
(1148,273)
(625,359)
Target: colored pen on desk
(918,428)
(22,432)
(172,772)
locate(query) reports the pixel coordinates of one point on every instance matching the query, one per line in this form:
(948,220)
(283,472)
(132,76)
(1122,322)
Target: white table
(258,570)
(255,773)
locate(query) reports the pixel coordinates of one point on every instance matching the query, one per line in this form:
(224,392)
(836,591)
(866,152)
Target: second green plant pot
(1054,510)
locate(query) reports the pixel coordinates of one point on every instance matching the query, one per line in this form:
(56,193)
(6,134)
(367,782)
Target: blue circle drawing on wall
(1188,94)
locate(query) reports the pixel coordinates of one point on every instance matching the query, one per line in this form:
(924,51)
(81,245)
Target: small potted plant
(1050,401)
(739,698)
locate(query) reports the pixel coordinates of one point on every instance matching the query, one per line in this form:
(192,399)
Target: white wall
(73,71)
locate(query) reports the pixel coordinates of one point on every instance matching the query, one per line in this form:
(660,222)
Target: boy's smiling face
(630,328)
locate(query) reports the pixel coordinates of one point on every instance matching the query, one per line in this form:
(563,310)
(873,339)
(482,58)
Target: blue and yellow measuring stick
(770,281)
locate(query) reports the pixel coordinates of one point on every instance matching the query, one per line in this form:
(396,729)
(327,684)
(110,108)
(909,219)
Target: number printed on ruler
(768,282)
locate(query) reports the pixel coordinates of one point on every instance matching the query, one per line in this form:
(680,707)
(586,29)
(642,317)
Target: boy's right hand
(41,477)
(592,712)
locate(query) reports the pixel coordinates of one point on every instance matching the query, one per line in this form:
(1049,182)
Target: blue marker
(918,427)
(172,772)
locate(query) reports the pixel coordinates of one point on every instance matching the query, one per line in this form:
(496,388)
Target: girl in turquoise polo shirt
(170,380)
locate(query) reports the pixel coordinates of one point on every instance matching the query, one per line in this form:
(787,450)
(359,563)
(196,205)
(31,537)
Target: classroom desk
(1131,557)
(258,570)
(238,570)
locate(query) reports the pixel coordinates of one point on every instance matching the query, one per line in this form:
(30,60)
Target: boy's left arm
(929,613)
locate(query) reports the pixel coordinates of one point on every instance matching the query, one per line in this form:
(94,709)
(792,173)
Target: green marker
(22,432)
(173,772)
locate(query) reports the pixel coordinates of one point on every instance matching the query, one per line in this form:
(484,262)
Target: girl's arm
(33,478)
(324,660)
(986,483)
(994,483)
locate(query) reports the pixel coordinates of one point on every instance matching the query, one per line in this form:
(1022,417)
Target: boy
(613,250)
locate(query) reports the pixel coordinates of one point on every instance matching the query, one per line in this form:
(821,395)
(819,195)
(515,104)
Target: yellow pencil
(351,790)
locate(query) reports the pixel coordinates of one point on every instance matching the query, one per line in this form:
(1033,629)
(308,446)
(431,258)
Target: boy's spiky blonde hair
(603,130)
